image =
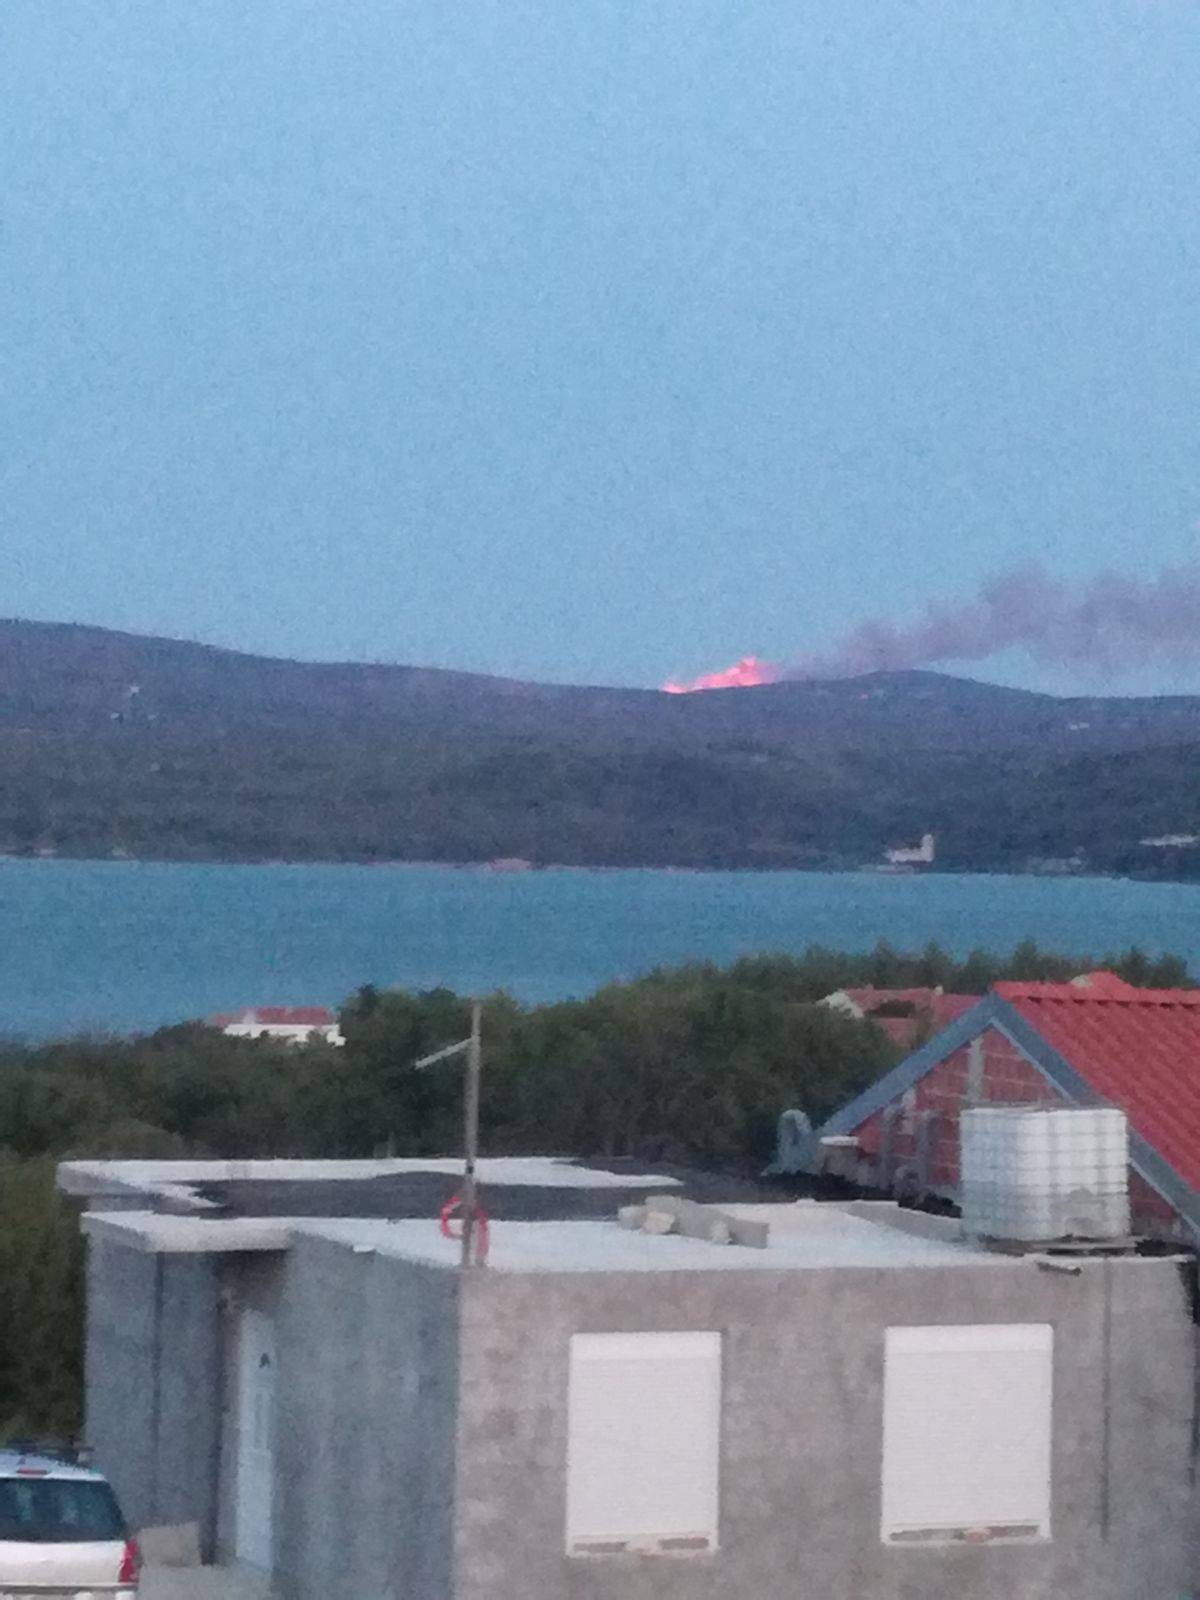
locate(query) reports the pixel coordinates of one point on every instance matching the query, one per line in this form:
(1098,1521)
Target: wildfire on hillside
(744,674)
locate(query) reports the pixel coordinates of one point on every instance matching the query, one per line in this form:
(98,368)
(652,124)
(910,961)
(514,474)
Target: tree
(935,968)
(41,1284)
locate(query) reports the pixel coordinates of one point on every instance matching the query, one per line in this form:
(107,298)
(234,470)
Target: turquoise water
(130,945)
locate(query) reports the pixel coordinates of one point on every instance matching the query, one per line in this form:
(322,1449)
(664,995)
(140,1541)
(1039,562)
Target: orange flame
(744,674)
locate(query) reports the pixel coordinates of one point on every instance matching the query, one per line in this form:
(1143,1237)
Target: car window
(58,1511)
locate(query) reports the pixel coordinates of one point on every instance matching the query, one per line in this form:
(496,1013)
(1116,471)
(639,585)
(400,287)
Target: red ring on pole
(483,1237)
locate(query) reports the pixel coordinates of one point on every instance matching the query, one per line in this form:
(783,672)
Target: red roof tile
(278,1016)
(1138,1048)
(928,1005)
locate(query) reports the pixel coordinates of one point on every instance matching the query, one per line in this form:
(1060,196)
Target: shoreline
(531,870)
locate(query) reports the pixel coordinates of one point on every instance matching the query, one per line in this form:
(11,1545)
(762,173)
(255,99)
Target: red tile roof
(928,1005)
(295,1016)
(279,1016)
(1138,1048)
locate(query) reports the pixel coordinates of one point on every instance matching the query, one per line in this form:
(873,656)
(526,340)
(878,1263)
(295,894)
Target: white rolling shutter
(644,1417)
(967,1432)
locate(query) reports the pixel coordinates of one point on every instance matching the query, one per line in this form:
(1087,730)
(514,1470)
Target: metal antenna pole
(473,1050)
(471,1131)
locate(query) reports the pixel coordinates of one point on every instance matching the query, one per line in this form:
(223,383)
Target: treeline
(262,793)
(691,1064)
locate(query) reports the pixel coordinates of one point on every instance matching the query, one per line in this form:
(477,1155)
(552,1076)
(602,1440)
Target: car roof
(12,1461)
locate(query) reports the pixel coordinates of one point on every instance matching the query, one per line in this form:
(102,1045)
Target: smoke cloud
(1109,624)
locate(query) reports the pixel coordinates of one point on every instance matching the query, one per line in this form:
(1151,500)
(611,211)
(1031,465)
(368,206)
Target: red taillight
(131,1563)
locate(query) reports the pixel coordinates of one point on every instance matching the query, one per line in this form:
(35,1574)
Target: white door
(256,1438)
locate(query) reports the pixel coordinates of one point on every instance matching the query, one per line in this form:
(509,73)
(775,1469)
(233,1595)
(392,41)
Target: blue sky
(594,340)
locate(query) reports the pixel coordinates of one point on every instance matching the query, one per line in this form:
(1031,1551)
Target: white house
(915,855)
(288,1024)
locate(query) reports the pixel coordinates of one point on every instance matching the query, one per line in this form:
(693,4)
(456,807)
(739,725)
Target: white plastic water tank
(1033,1173)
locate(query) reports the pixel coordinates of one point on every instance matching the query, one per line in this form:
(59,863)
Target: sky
(592,340)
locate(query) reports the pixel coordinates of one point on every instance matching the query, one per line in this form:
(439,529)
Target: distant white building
(287,1024)
(920,855)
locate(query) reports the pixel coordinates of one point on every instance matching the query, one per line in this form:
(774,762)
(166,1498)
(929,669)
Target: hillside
(114,743)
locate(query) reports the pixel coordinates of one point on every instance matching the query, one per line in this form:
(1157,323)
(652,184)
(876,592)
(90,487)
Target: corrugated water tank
(1034,1173)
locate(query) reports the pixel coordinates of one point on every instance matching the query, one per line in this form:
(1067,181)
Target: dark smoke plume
(1109,624)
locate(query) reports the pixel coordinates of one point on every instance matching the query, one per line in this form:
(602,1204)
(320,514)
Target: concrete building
(285,1024)
(865,1408)
(1094,1041)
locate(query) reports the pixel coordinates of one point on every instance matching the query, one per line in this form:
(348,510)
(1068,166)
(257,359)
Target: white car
(62,1533)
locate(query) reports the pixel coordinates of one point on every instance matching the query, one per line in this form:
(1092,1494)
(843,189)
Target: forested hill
(118,744)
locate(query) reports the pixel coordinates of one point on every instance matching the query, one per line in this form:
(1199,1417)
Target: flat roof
(161,1233)
(533,1188)
(803,1234)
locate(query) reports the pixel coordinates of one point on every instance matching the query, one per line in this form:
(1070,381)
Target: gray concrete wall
(119,1371)
(802,1434)
(368,1358)
(424,1459)
(188,1380)
(150,1369)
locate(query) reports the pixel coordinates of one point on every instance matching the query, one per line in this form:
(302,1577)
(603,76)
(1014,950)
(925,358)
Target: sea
(127,946)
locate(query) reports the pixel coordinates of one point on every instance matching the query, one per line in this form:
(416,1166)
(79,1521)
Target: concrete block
(175,1544)
(751,1234)
(660,1222)
(695,1221)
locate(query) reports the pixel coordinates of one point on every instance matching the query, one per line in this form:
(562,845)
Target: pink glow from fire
(744,674)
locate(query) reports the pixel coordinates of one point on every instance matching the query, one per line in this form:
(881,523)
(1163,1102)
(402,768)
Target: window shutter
(644,1441)
(967,1432)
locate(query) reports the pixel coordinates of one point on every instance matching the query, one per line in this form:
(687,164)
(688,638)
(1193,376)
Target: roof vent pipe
(796,1149)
